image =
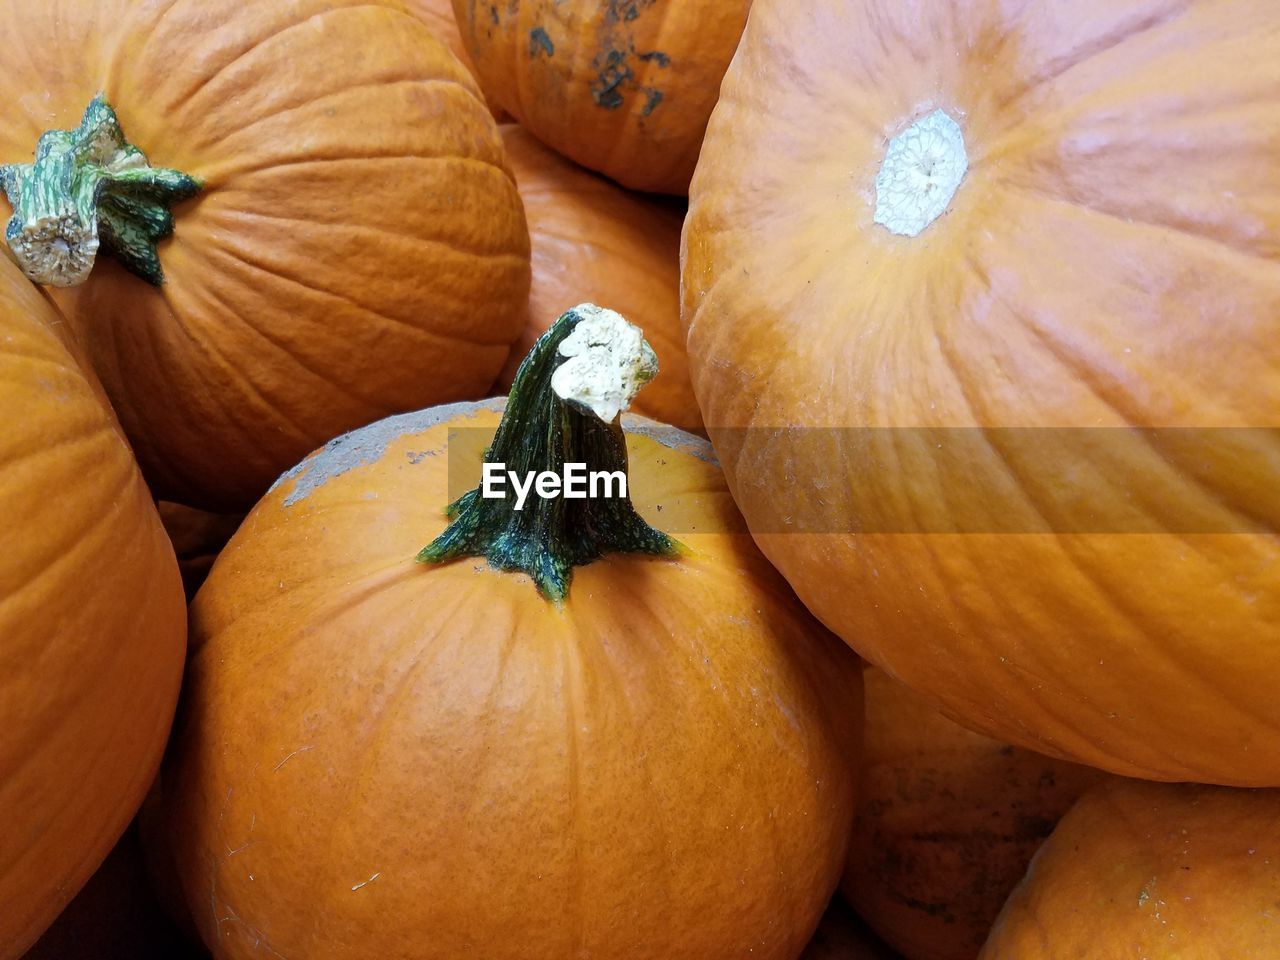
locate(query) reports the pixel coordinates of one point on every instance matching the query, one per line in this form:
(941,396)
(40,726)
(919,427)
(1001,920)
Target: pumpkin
(590,238)
(351,245)
(93,623)
(843,936)
(646,757)
(438,16)
(1150,870)
(197,536)
(115,916)
(947,822)
(622,88)
(1012,458)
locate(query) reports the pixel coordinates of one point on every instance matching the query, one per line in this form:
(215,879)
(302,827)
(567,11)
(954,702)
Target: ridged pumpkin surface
(947,822)
(358,247)
(659,769)
(92,623)
(592,240)
(1038,564)
(1162,872)
(438,16)
(623,87)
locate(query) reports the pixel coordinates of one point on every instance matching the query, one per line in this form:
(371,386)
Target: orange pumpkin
(592,240)
(1158,871)
(92,619)
(621,88)
(947,822)
(356,246)
(438,16)
(656,765)
(998,456)
(197,536)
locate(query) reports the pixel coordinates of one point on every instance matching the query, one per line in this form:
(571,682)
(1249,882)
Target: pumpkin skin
(621,88)
(455,764)
(947,822)
(592,241)
(358,247)
(197,536)
(93,622)
(1149,870)
(438,16)
(1089,273)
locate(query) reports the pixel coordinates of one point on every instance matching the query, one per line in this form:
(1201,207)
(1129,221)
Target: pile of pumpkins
(947,580)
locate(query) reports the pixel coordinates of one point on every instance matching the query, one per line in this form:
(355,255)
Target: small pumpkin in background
(592,240)
(1159,871)
(197,537)
(947,822)
(438,16)
(648,756)
(92,623)
(351,243)
(983,314)
(621,88)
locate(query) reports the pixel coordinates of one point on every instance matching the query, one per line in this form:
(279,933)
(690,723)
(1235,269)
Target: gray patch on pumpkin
(673,438)
(540,41)
(611,80)
(368,444)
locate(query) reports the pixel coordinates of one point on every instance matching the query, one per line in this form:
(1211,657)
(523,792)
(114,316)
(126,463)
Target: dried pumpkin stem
(90,186)
(564,408)
(922,170)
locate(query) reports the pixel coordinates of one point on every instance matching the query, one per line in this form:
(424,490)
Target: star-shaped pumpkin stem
(90,187)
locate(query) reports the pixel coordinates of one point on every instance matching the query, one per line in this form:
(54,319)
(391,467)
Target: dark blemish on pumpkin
(613,74)
(938,910)
(877,808)
(657,56)
(625,10)
(493,12)
(367,445)
(538,40)
(653,98)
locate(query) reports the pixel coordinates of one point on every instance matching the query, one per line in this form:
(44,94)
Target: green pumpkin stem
(90,186)
(541,431)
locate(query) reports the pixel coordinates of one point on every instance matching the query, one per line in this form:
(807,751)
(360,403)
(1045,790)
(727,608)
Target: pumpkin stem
(564,408)
(90,185)
(921,172)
